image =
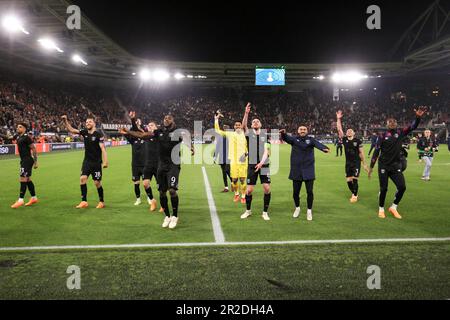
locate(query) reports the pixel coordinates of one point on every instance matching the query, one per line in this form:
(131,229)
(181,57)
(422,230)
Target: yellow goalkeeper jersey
(237,145)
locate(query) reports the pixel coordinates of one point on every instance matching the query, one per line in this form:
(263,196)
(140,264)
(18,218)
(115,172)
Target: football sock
(31,189)
(350,186)
(174,200)
(164,204)
(137,191)
(83,192)
(23,190)
(149,192)
(267,202)
(355,187)
(248,200)
(100,194)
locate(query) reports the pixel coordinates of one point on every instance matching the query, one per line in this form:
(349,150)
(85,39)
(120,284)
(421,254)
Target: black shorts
(353,170)
(168,177)
(263,174)
(137,173)
(151,171)
(26,168)
(390,170)
(93,169)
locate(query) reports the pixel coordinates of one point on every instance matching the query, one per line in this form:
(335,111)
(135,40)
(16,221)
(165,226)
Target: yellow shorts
(238,170)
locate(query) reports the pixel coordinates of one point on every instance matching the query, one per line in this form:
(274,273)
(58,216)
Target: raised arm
(217,125)
(339,116)
(419,113)
(69,126)
(245,120)
(286,138)
(136,134)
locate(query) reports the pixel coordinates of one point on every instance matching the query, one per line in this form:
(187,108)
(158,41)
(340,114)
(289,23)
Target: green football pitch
(283,258)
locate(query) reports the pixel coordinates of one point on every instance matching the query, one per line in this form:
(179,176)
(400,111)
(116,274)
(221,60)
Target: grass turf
(264,272)
(408,271)
(425,206)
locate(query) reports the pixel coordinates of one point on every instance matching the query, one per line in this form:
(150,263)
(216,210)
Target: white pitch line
(217,228)
(224,244)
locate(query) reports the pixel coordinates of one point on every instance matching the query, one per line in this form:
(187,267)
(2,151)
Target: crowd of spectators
(40,104)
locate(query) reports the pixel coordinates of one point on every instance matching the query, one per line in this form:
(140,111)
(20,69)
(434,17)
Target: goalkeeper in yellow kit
(237,155)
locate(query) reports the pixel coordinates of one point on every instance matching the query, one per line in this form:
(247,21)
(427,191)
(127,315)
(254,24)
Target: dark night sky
(275,32)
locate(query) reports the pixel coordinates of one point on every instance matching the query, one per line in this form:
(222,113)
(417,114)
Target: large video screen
(270,76)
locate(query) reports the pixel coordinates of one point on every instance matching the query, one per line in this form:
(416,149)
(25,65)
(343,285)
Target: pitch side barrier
(11,149)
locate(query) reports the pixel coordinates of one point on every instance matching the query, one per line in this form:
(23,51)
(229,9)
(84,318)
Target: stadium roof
(107,60)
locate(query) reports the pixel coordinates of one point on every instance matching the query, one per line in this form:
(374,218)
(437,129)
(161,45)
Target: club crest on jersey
(383,171)
(355,144)
(396,135)
(93,138)
(308,141)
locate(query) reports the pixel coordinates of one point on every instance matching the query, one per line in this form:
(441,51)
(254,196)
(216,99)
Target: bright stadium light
(13,24)
(145,75)
(179,76)
(160,75)
(49,44)
(348,77)
(78,59)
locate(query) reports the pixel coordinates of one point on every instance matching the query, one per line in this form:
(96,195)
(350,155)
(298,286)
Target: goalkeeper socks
(243,189)
(23,190)
(175,200)
(149,193)
(83,192)
(267,202)
(234,187)
(31,188)
(100,194)
(137,191)
(355,187)
(248,201)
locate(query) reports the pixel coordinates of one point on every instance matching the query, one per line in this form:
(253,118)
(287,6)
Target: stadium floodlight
(348,77)
(13,24)
(49,44)
(145,75)
(160,75)
(179,76)
(78,59)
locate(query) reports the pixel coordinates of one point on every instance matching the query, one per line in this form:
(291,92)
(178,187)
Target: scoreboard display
(270,76)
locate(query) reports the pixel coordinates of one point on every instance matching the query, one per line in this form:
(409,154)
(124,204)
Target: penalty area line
(224,244)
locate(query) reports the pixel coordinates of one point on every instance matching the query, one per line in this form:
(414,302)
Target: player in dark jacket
(303,166)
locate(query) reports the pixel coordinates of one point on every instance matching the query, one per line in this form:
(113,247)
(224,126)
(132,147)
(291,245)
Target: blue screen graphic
(270,77)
